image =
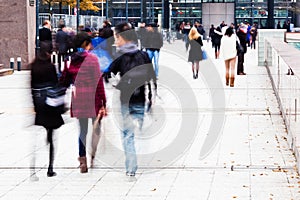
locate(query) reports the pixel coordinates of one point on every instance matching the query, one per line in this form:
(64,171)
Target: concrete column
(215,13)
(17,34)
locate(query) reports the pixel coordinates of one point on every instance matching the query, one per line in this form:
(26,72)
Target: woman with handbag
(43,75)
(195,53)
(88,96)
(228,52)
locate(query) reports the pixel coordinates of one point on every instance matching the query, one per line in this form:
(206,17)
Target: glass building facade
(191,10)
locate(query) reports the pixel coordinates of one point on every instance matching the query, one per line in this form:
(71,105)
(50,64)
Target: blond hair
(194,35)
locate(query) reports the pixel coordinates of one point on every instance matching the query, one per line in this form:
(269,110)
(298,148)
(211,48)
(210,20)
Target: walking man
(136,70)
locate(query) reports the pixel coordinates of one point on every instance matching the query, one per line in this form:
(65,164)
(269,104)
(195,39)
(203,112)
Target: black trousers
(240,64)
(51,146)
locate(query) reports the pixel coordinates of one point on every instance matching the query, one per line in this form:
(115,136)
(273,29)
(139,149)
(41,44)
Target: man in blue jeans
(136,71)
(153,43)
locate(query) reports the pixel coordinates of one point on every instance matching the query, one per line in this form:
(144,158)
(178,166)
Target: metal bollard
(19,60)
(12,63)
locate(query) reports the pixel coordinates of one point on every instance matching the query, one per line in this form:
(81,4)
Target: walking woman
(217,41)
(88,97)
(43,75)
(228,51)
(195,53)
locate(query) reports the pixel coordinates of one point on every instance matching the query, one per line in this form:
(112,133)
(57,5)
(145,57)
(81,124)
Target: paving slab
(250,160)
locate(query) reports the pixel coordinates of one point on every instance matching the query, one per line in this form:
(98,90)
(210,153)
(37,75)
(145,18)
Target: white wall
(215,13)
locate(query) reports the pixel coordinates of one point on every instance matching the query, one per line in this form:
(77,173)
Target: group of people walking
(94,59)
(225,40)
(85,76)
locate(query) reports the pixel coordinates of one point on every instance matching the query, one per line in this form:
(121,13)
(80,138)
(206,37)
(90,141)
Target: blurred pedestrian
(43,76)
(186,30)
(212,35)
(45,34)
(62,41)
(135,69)
(242,35)
(217,41)
(153,42)
(228,52)
(102,46)
(200,29)
(253,33)
(195,52)
(278,25)
(88,96)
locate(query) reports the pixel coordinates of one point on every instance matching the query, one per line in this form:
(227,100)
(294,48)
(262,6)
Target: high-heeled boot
(232,82)
(227,79)
(83,166)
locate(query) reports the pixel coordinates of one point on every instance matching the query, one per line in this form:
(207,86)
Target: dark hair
(125,30)
(45,50)
(62,26)
(106,33)
(229,31)
(80,38)
(107,23)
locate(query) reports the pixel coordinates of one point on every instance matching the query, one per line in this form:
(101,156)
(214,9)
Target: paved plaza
(248,155)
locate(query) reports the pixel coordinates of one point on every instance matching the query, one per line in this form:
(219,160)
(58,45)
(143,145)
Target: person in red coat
(88,95)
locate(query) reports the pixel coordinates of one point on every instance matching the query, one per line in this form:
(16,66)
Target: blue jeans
(133,111)
(83,126)
(155,55)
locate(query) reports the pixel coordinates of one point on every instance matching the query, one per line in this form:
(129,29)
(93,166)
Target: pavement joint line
(240,167)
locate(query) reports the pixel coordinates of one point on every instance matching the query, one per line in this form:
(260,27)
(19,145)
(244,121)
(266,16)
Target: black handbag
(49,99)
(55,98)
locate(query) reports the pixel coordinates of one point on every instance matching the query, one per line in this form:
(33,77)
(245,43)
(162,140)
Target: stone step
(6,71)
(1,66)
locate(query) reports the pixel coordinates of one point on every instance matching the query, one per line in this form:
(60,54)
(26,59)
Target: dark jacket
(243,39)
(43,74)
(135,69)
(153,40)
(62,41)
(45,35)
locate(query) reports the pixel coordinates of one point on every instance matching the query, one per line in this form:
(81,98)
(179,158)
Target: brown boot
(227,79)
(232,82)
(216,55)
(83,165)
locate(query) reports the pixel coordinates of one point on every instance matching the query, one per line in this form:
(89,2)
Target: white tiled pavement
(250,161)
